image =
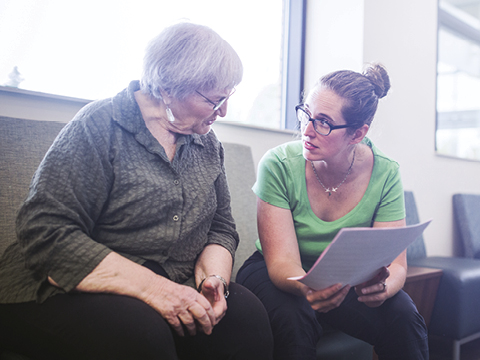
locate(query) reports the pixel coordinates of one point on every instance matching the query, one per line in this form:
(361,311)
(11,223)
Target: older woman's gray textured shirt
(106,185)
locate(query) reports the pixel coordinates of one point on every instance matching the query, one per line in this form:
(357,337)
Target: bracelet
(225,286)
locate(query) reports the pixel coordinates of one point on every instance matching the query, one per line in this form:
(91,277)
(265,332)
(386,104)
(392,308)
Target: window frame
(294,60)
(460,29)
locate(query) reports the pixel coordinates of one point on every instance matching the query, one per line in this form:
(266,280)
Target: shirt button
(175,218)
(176,182)
(164,252)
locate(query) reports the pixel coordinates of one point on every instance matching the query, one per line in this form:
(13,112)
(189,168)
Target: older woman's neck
(153,113)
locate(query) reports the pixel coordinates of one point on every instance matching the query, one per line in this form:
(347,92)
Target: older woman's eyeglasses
(321,126)
(219,103)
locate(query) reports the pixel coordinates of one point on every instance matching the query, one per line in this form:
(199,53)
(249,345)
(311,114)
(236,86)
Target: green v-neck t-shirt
(281,182)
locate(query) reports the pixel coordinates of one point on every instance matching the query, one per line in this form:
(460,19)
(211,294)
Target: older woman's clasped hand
(187,309)
(183,306)
(213,290)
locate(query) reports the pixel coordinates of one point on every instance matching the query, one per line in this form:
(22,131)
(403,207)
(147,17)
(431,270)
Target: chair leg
(456,350)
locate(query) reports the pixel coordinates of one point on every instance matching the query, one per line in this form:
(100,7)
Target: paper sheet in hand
(357,254)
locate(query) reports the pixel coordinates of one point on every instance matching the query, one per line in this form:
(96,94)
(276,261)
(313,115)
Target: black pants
(396,329)
(104,326)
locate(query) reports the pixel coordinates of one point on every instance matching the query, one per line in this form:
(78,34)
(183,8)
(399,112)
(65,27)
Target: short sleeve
(392,204)
(271,181)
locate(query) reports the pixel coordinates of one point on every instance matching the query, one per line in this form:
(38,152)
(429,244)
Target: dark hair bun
(378,76)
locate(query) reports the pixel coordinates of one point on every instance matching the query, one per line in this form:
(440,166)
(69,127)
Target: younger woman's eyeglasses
(321,126)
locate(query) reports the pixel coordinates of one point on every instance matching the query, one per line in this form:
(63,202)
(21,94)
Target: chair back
(240,169)
(466,210)
(23,143)
(417,249)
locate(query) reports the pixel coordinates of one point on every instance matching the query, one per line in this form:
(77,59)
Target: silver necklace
(334,188)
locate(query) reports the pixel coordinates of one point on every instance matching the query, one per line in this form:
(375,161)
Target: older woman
(126,240)
(307,191)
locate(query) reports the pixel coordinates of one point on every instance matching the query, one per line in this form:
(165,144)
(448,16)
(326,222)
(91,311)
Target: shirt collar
(127,114)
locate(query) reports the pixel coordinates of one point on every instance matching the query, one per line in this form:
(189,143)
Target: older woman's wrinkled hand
(375,291)
(327,299)
(182,306)
(213,290)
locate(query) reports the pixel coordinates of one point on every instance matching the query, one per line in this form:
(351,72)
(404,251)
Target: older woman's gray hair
(186,57)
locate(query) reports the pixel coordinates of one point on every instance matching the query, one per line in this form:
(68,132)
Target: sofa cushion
(23,144)
(240,170)
(456,313)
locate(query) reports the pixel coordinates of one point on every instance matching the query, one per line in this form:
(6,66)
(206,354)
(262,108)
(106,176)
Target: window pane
(458,86)
(92,48)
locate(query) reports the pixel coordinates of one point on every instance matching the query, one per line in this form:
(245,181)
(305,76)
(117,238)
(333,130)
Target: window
(458,79)
(92,48)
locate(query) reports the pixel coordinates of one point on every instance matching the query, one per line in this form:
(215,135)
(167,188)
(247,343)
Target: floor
(469,351)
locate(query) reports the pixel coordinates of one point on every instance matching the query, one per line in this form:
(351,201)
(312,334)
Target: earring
(170,116)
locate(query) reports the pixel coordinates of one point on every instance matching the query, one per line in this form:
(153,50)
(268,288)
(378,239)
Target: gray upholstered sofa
(23,144)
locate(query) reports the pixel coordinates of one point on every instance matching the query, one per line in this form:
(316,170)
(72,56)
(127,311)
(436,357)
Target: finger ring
(384,286)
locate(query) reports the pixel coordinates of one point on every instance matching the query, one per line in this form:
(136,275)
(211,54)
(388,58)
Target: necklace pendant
(334,189)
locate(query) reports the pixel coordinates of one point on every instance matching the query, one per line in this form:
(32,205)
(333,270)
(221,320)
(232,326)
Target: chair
(456,315)
(466,210)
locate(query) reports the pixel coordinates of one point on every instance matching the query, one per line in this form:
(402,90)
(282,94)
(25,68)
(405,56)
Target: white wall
(401,35)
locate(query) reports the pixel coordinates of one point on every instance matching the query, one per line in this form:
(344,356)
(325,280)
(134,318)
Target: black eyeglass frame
(217,105)
(314,121)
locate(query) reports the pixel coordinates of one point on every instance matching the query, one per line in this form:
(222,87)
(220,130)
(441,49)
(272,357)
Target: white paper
(357,254)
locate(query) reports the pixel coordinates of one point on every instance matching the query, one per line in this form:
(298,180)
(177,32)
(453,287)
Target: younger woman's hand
(327,299)
(374,292)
